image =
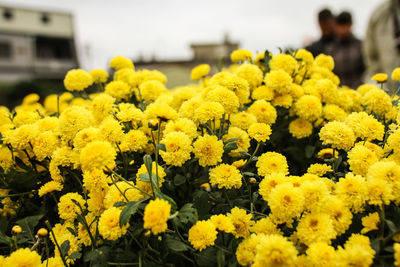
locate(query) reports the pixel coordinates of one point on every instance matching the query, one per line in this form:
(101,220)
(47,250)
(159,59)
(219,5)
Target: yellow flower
(396,248)
(360,159)
(77,80)
(260,132)
(319,169)
(226,176)
(95,181)
(183,125)
(325,61)
(377,101)
(305,56)
(300,128)
(120,62)
(85,136)
(396,74)
(370,222)
(263,111)
(243,143)
(308,107)
(178,148)
(339,212)
(365,126)
(96,155)
(156,215)
(270,182)
(315,227)
(118,89)
(49,187)
(134,141)
(146,186)
(353,190)
(199,72)
(102,106)
(243,120)
(251,73)
(113,194)
(111,130)
(241,55)
(6,159)
(99,76)
(265,226)
(234,83)
(23,257)
(67,209)
(209,111)
(275,250)
(271,162)
(208,149)
(241,221)
(160,111)
(202,234)
(72,120)
(109,227)
(150,90)
(53,262)
(224,96)
(279,81)
(380,77)
(263,93)
(283,62)
(83,233)
(222,223)
(380,192)
(321,254)
(247,250)
(285,202)
(328,91)
(337,135)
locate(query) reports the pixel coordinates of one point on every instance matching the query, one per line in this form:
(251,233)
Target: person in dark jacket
(346,50)
(326,22)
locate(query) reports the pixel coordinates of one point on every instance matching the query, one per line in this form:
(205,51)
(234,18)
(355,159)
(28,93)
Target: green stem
(126,181)
(251,157)
(227,197)
(18,194)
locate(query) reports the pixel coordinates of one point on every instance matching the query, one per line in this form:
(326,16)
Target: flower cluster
(268,162)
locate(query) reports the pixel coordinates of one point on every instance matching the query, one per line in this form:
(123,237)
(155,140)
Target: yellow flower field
(268,162)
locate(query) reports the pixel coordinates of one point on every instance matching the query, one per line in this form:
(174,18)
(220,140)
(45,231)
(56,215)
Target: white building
(35,44)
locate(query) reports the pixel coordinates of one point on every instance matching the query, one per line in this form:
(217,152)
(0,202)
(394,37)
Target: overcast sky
(165,28)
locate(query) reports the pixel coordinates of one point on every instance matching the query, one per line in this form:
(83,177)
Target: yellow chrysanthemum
(156,215)
(300,128)
(77,80)
(202,235)
(279,81)
(370,222)
(118,89)
(315,227)
(353,190)
(319,169)
(178,148)
(97,155)
(120,62)
(243,120)
(337,135)
(321,254)
(308,107)
(23,257)
(243,143)
(199,72)
(222,223)
(109,227)
(380,77)
(241,221)
(272,162)
(241,55)
(225,97)
(247,250)
(67,209)
(49,187)
(208,149)
(99,76)
(209,111)
(360,159)
(260,132)
(183,125)
(226,176)
(283,62)
(263,111)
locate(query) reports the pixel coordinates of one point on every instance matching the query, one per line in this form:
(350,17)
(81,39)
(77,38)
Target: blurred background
(42,39)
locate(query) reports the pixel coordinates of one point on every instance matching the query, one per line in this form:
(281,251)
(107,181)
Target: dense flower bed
(265,163)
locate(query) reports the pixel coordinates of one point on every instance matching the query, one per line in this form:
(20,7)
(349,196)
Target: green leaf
(375,244)
(231,140)
(119,204)
(267,58)
(187,214)
(28,224)
(249,174)
(161,147)
(230,146)
(148,162)
(201,204)
(244,153)
(179,180)
(130,210)
(338,162)
(220,258)
(64,248)
(309,151)
(144,177)
(5,239)
(71,231)
(391,225)
(175,244)
(75,255)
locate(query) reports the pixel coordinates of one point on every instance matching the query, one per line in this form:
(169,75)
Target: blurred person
(326,22)
(346,51)
(381,46)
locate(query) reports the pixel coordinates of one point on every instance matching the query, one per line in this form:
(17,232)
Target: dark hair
(344,18)
(324,14)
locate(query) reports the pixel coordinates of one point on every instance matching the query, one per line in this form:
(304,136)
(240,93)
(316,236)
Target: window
(45,18)
(7,14)
(54,48)
(5,50)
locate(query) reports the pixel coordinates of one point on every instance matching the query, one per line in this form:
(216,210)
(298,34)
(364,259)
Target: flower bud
(253,180)
(42,232)
(153,124)
(16,230)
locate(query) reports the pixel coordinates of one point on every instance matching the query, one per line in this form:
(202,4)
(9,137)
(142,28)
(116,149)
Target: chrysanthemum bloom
(284,62)
(67,209)
(393,141)
(285,202)
(199,72)
(247,249)
(134,141)
(370,222)
(300,128)
(234,83)
(95,181)
(129,113)
(118,89)
(263,111)
(97,155)
(156,215)
(265,226)
(72,120)
(357,252)
(102,105)
(396,248)
(305,56)
(315,227)
(321,254)
(202,235)
(226,176)
(45,144)
(319,169)
(223,223)
(388,171)
(85,136)
(325,61)
(365,126)
(360,159)
(99,76)
(243,143)
(260,132)
(328,91)
(150,90)
(263,93)
(241,55)
(279,81)
(339,212)
(308,107)
(183,125)
(227,98)
(396,74)
(109,227)
(49,187)
(209,111)
(53,262)
(271,162)
(111,130)
(208,149)
(333,112)
(241,221)
(315,194)
(353,190)
(120,62)
(23,257)
(380,77)
(269,182)
(377,101)
(380,192)
(178,148)
(275,250)
(337,135)
(77,80)
(251,73)
(242,120)
(160,111)
(282,100)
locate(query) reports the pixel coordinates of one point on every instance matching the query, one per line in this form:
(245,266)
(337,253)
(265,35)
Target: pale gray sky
(165,28)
